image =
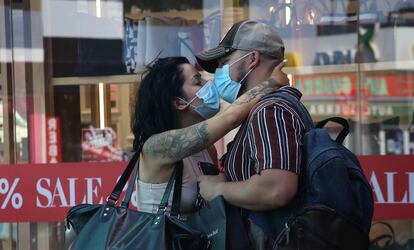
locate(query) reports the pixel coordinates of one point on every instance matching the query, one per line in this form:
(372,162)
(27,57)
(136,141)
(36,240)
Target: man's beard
(243,88)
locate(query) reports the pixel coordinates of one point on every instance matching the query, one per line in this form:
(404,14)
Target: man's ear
(254,59)
(180,104)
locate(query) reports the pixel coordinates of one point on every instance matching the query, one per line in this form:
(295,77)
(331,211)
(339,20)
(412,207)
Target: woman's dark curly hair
(154,109)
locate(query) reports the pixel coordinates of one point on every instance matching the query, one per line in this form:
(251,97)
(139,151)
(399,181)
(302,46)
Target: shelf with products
(407,65)
(87,80)
(371,91)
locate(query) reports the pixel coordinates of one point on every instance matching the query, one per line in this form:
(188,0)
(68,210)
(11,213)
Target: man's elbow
(282,198)
(277,188)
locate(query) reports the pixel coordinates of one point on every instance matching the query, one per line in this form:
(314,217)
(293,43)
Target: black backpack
(335,197)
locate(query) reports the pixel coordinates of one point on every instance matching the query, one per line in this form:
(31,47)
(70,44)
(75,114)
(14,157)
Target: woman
(173,103)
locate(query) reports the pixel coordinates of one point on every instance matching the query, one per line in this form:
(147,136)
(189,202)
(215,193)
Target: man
(263,162)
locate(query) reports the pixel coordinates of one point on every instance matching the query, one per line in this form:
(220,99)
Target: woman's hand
(279,76)
(211,186)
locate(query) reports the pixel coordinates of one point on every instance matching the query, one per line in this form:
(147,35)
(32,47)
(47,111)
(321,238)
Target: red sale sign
(392,181)
(45,192)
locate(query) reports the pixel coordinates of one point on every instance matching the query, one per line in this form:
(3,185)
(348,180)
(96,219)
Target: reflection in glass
(350,58)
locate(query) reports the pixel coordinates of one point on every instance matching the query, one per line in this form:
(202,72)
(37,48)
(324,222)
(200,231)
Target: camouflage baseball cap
(244,35)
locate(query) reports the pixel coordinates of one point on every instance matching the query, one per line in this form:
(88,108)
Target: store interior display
(101,145)
(155,37)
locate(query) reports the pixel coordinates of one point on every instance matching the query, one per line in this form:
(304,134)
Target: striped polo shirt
(270,138)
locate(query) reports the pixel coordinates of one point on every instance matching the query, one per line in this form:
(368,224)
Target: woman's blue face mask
(227,88)
(211,101)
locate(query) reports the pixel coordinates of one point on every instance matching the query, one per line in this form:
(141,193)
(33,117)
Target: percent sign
(16,198)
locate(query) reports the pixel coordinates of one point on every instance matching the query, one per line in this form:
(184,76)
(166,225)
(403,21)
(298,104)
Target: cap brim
(208,59)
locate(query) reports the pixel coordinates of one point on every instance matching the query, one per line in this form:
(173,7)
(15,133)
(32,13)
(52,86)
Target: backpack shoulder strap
(344,132)
(303,112)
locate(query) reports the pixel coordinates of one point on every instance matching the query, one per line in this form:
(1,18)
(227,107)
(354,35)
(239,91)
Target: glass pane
(77,65)
(168,29)
(2,153)
(386,56)
(86,37)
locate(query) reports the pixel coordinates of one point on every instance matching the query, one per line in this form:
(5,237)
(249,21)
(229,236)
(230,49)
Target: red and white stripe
(270,138)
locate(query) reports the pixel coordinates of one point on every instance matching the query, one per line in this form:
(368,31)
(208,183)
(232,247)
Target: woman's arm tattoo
(178,144)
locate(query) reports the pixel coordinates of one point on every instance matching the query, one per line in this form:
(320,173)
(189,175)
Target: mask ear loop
(189,102)
(186,103)
(245,75)
(238,61)
(195,96)
(240,58)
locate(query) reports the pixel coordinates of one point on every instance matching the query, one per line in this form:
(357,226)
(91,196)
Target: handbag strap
(164,201)
(176,177)
(390,236)
(176,202)
(127,199)
(116,192)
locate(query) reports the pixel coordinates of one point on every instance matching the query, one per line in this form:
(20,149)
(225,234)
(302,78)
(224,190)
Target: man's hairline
(266,56)
(233,51)
(251,50)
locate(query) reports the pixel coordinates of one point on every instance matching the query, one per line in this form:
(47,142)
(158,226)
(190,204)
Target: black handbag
(113,226)
(222,223)
(212,220)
